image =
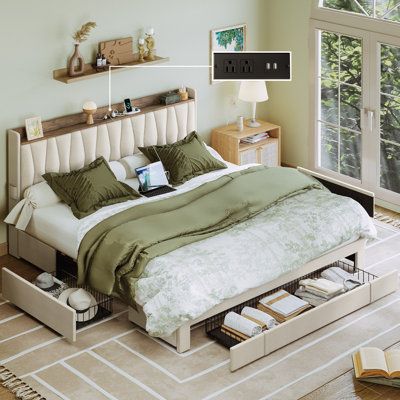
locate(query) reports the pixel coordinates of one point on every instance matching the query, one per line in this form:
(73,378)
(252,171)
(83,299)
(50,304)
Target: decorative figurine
(142,50)
(150,44)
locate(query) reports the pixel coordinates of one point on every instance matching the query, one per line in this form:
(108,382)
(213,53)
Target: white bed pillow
(36,196)
(41,195)
(214,153)
(132,162)
(118,170)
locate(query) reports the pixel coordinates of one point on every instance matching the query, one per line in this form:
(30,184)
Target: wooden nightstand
(226,140)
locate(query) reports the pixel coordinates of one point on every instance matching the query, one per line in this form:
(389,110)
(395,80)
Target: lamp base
(252,123)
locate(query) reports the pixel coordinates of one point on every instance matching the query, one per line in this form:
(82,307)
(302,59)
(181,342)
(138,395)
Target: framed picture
(231,38)
(34,129)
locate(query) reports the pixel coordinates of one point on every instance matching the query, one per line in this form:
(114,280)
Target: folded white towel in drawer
(339,275)
(322,287)
(242,324)
(259,315)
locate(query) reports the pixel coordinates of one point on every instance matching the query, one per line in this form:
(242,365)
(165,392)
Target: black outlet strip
(246,65)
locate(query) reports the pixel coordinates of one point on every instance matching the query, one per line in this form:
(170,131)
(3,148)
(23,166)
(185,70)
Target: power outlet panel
(252,65)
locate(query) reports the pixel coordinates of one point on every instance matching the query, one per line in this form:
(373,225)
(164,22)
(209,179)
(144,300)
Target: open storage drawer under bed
(48,309)
(245,352)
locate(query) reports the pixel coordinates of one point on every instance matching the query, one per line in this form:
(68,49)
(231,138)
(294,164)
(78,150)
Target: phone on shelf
(128,106)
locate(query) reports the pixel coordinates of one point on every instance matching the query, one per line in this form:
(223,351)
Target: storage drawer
(47,309)
(39,304)
(243,353)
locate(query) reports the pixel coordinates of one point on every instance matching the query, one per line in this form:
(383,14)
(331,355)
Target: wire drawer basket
(214,323)
(66,272)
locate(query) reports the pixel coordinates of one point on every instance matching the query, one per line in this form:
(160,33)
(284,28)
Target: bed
(55,230)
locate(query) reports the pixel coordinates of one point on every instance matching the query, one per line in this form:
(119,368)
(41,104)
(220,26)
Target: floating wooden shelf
(61,75)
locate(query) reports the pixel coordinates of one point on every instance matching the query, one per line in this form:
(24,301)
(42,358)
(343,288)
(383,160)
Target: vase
(76,64)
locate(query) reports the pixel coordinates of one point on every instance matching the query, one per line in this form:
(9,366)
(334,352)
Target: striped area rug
(114,359)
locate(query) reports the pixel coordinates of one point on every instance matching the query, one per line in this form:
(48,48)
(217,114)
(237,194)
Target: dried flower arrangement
(82,34)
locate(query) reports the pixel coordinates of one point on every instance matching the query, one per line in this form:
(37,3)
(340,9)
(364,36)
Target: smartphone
(128,105)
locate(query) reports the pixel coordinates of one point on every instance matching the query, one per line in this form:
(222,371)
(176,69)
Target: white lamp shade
(253,91)
(90,105)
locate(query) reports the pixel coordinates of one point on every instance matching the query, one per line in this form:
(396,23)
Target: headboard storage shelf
(61,75)
(77,122)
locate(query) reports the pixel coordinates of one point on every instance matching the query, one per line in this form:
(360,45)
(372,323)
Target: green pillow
(90,188)
(184,159)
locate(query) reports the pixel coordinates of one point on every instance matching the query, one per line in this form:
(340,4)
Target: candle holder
(150,43)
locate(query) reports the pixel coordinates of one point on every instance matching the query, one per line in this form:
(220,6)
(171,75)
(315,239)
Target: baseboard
(3,249)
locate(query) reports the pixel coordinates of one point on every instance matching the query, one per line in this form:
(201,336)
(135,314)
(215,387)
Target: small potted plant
(76,64)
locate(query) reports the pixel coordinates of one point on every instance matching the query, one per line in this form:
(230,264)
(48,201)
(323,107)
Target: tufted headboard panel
(28,161)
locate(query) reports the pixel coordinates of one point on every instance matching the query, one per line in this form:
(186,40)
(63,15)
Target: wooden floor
(344,387)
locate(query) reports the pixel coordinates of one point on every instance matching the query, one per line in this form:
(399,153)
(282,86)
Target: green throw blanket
(114,253)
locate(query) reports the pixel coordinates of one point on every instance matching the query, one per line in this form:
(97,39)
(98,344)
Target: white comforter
(184,284)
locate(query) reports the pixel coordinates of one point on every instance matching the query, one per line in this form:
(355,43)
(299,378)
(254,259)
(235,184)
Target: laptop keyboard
(158,191)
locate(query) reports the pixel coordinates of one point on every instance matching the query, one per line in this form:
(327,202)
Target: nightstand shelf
(226,140)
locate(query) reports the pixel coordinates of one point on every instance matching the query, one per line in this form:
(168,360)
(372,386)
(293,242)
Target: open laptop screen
(151,176)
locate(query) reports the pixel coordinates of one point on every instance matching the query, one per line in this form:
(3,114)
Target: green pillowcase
(184,159)
(90,188)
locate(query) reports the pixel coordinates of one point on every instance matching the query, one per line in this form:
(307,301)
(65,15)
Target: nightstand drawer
(248,157)
(269,154)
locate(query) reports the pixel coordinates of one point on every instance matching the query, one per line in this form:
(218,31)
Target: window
(356,94)
(340,103)
(380,9)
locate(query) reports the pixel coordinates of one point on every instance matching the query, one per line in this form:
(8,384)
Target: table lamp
(253,92)
(89,108)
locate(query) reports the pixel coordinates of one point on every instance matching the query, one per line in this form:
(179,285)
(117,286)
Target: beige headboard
(28,161)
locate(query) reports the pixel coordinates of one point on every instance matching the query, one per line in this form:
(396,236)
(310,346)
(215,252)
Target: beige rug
(116,360)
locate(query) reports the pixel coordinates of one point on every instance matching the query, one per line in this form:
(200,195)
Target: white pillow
(41,195)
(36,196)
(118,169)
(132,162)
(214,153)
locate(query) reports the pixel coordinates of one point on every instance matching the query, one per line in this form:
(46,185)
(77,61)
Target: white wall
(35,38)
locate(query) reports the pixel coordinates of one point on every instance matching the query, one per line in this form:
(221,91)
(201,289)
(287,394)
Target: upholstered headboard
(28,161)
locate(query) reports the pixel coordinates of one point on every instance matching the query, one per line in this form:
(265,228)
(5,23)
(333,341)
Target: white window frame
(354,20)
(315,95)
(373,30)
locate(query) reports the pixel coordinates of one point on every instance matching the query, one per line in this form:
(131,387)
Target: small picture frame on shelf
(34,129)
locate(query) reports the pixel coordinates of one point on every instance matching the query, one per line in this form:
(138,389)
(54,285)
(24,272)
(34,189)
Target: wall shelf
(61,75)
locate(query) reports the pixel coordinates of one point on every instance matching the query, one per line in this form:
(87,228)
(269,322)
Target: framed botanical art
(231,38)
(34,129)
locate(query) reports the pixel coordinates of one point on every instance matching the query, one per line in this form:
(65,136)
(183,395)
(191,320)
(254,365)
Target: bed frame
(69,144)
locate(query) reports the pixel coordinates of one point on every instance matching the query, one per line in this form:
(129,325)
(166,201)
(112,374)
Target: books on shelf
(282,305)
(376,366)
(255,138)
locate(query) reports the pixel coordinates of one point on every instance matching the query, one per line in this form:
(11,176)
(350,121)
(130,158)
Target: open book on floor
(376,366)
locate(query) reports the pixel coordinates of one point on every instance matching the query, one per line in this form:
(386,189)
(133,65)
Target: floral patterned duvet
(185,283)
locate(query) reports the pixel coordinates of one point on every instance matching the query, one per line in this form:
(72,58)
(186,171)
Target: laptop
(153,180)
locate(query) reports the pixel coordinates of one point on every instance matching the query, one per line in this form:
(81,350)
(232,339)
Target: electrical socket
(252,65)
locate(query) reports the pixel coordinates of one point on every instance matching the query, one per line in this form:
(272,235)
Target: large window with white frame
(379,9)
(356,93)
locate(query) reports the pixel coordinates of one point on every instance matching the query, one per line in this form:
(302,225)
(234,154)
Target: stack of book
(282,305)
(376,366)
(255,138)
